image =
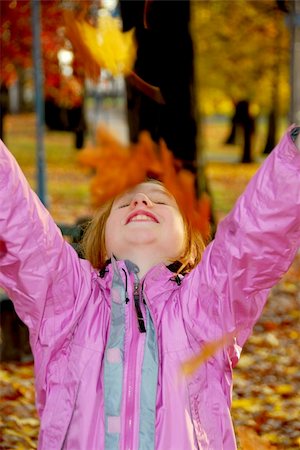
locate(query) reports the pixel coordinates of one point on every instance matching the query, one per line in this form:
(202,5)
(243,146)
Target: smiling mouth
(141,217)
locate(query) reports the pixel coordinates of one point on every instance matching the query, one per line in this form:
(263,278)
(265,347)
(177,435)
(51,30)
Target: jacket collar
(159,284)
(115,265)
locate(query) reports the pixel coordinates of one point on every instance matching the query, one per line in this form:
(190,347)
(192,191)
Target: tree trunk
(273,115)
(295,61)
(3,108)
(162,103)
(272,131)
(242,122)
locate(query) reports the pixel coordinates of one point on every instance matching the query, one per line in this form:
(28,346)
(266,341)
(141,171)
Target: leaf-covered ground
(266,399)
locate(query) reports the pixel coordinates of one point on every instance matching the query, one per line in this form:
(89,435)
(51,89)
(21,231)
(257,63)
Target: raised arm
(254,245)
(38,269)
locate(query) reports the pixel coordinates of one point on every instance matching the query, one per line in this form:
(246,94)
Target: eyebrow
(159,191)
(153,190)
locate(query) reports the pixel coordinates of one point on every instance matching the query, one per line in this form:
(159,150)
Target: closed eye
(124,205)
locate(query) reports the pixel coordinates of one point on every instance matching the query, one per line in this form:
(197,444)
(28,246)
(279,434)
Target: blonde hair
(93,243)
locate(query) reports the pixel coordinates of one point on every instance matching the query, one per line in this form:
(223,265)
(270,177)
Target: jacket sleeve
(40,272)
(254,246)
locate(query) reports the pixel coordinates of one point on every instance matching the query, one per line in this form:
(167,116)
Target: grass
(67,186)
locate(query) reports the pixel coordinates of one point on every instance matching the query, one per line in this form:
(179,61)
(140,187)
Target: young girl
(110,333)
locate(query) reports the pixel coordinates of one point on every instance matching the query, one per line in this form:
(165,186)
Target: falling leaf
(117,167)
(207,351)
(103,46)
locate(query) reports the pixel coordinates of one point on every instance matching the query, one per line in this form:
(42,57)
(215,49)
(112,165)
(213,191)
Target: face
(146,217)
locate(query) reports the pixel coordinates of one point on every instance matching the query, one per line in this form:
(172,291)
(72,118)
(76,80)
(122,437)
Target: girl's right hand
(297,142)
(296,134)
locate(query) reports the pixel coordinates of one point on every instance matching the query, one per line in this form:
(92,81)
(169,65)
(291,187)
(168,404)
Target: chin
(143,237)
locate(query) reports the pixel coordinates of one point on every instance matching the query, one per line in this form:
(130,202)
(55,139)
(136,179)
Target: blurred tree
(16,36)
(293,23)
(3,107)
(160,90)
(242,122)
(242,53)
(283,7)
(16,53)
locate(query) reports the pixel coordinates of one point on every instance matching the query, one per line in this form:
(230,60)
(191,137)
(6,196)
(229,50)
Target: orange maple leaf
(117,167)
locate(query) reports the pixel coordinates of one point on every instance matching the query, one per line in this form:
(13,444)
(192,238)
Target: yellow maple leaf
(102,46)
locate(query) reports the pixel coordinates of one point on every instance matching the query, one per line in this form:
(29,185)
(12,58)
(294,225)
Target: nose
(140,199)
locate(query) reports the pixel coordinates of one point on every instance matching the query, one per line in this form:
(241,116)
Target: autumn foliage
(101,46)
(118,167)
(16,40)
(16,35)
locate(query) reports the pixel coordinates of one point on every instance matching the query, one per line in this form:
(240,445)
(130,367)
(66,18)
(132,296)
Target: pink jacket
(101,383)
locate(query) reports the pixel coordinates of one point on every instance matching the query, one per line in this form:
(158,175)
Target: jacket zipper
(134,350)
(139,314)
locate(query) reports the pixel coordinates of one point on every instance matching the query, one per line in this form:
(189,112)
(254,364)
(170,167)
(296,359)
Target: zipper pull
(177,279)
(126,293)
(139,314)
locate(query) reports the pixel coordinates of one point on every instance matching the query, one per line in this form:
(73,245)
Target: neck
(144,261)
